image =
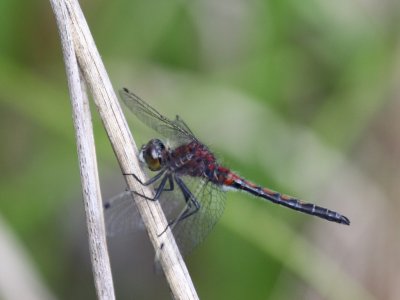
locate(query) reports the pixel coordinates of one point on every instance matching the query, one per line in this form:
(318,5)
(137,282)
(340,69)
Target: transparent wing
(176,131)
(182,124)
(190,232)
(122,216)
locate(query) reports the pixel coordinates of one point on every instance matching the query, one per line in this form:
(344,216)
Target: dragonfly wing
(182,124)
(121,215)
(191,231)
(177,131)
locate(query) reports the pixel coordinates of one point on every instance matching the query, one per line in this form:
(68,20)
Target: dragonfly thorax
(154,154)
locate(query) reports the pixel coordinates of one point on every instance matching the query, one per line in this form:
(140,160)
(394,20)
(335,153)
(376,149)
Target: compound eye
(152,159)
(154,164)
(153,154)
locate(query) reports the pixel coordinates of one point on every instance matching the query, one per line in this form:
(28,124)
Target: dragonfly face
(153,154)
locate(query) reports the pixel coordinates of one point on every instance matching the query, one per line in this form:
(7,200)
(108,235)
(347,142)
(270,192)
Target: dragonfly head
(153,154)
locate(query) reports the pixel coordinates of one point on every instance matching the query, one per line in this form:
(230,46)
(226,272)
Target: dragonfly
(189,182)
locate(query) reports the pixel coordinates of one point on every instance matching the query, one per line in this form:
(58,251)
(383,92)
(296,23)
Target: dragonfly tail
(289,201)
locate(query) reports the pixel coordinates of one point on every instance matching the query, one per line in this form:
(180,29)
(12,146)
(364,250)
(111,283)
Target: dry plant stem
(125,149)
(87,159)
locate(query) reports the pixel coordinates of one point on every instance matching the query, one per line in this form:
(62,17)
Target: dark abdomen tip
(344,220)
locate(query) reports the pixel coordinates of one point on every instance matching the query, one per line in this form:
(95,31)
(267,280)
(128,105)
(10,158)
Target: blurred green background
(300,96)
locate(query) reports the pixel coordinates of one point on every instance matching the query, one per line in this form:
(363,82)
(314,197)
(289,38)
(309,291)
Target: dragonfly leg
(171,184)
(148,182)
(190,200)
(161,188)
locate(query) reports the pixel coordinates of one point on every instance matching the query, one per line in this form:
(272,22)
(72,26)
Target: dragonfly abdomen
(231,180)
